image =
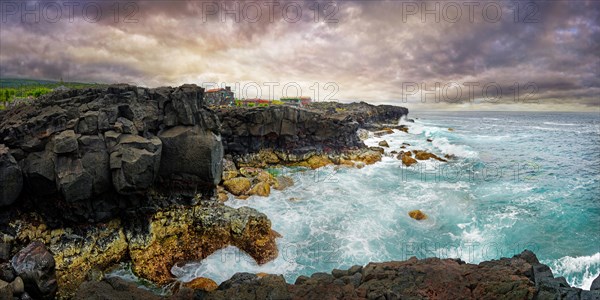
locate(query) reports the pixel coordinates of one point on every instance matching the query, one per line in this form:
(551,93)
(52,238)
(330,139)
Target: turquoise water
(519,180)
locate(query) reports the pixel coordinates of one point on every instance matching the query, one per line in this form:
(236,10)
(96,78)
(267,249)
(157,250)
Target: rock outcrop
(153,243)
(88,155)
(519,277)
(290,135)
(185,234)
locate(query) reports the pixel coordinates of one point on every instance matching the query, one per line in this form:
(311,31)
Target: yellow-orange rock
(370,157)
(317,161)
(192,233)
(261,274)
(202,283)
(237,186)
(383,132)
(407,160)
(423,155)
(417,215)
(450,129)
(260,189)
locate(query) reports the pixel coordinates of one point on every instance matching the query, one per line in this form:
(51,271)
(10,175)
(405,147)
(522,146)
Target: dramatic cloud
(479,55)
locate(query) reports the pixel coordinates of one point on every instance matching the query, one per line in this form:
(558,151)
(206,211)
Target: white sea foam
(448,148)
(561,124)
(224,263)
(580,271)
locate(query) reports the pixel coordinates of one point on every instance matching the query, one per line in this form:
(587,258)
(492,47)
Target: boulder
(72,180)
(237,186)
(135,163)
(383,143)
(423,155)
(383,132)
(11,178)
(260,189)
(202,283)
(192,150)
(65,142)
(417,215)
(39,173)
(124,125)
(35,265)
(406,158)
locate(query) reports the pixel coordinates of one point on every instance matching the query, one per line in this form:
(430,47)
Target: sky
(425,55)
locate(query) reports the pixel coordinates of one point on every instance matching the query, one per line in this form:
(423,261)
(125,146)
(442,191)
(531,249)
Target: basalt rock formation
(87,155)
(290,135)
(519,277)
(153,243)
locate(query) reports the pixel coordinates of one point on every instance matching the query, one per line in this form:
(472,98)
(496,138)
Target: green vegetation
(14,88)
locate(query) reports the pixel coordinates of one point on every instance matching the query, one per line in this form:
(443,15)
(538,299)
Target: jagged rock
(88,123)
(192,150)
(35,265)
(124,125)
(185,234)
(377,149)
(417,215)
(295,134)
(90,154)
(72,180)
(65,142)
(260,189)
(423,155)
(249,172)
(229,170)
(135,163)
(406,159)
(237,186)
(383,132)
(11,178)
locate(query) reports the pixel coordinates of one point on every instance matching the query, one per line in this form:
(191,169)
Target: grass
(13,88)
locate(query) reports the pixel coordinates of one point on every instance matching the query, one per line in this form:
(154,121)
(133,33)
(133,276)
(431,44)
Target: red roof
(215,90)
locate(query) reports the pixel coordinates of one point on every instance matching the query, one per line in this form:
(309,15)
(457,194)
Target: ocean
(517,180)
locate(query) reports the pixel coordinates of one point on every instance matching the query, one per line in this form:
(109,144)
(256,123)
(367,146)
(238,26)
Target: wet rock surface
(519,277)
(87,155)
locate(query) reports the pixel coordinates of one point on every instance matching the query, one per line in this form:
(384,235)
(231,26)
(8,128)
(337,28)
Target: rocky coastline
(99,176)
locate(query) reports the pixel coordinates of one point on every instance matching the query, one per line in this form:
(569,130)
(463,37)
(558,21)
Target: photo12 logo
(469,11)
(271,90)
(69,11)
(454,92)
(269,11)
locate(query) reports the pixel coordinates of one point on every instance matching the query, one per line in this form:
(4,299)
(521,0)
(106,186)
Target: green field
(14,88)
